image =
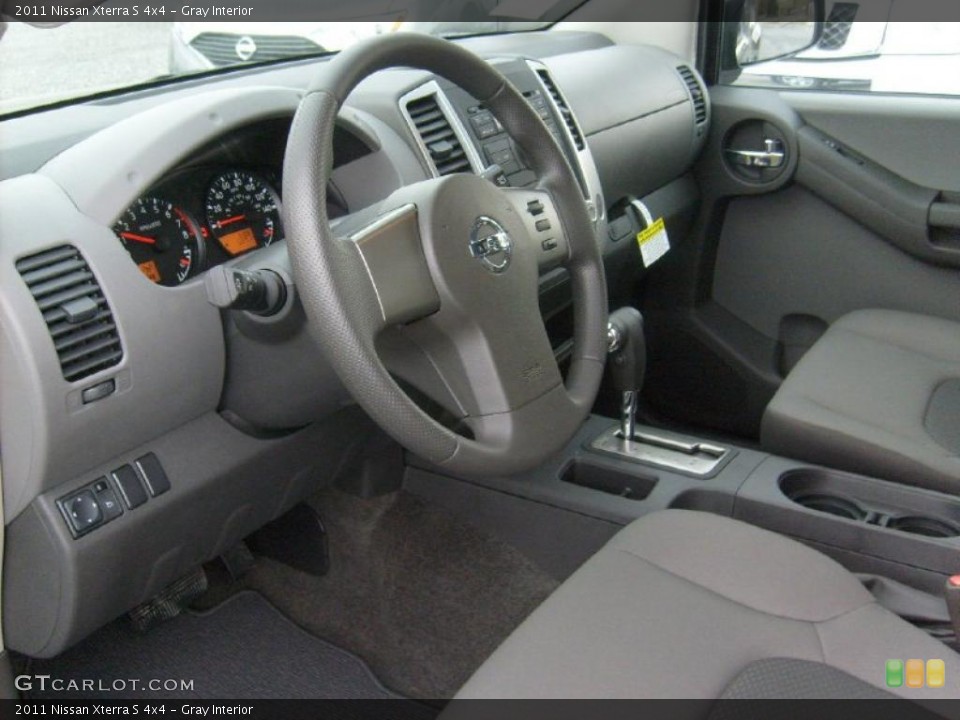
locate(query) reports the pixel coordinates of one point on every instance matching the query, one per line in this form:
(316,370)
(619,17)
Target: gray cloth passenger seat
(685,604)
(878,394)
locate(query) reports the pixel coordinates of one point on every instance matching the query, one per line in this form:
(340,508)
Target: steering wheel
(455,262)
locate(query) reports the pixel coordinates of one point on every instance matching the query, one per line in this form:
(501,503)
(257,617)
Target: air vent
(697,95)
(565,110)
(75,310)
(440,139)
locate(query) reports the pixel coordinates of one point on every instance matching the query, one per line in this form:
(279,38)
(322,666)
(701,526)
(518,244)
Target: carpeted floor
(415,600)
(422,597)
(243,649)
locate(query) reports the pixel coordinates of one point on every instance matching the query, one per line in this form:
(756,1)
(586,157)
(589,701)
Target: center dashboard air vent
(438,135)
(563,107)
(74,309)
(697,94)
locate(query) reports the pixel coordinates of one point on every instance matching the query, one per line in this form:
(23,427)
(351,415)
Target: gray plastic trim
(892,207)
(915,137)
(224,485)
(639,128)
(173,367)
(106,172)
(171,372)
(586,165)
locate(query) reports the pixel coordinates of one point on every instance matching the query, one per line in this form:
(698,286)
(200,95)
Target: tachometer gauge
(243,211)
(162,240)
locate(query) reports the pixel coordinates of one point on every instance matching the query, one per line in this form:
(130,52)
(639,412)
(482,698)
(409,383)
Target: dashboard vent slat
(60,282)
(564,108)
(438,136)
(697,94)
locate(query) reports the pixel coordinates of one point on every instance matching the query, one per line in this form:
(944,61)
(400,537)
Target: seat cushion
(679,604)
(878,394)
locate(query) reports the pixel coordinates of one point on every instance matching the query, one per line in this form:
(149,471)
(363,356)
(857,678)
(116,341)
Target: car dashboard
(144,430)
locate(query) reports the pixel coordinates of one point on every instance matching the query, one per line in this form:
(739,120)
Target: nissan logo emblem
(245,48)
(491,245)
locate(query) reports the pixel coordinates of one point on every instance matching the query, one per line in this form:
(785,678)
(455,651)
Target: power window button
(152,471)
(130,486)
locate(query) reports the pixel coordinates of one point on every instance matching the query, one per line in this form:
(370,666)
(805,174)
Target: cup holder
(830,504)
(832,494)
(928,527)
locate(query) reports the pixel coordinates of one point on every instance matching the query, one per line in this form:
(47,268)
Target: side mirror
(771,29)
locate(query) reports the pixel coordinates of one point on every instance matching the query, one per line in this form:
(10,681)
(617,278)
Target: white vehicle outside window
(868,46)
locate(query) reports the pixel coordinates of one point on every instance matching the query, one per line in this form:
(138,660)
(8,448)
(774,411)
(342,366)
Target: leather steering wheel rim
(515,400)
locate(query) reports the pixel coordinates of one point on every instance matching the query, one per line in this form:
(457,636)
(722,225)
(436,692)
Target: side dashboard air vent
(565,110)
(438,136)
(697,94)
(75,310)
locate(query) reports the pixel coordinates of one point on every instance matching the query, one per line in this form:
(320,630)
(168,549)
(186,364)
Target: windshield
(44,65)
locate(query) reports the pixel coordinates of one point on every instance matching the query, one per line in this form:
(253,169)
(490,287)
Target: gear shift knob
(628,363)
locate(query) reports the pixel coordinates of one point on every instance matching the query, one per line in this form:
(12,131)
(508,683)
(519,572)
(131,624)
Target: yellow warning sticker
(654,242)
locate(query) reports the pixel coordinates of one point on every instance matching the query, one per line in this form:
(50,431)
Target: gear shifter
(628,363)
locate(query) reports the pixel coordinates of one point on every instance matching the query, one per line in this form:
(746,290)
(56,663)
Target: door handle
(772,156)
(945,215)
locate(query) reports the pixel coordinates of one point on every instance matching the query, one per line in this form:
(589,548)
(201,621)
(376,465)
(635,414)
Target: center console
(566,510)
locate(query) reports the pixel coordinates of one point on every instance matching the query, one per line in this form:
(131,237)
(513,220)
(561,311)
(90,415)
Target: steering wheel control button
(99,392)
(544,226)
(491,244)
(535,208)
(82,512)
(107,499)
(130,486)
(549,245)
(152,471)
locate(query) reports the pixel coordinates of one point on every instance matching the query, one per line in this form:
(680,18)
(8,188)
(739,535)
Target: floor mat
(421,596)
(243,649)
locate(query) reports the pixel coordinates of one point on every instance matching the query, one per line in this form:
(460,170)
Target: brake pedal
(170,602)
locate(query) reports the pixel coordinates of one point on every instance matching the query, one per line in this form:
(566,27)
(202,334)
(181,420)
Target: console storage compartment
(600,476)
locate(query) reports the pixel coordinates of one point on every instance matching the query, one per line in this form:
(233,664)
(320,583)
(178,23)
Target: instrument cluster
(200,218)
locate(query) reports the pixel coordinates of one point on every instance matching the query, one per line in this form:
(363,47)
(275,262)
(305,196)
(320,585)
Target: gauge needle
(231,220)
(138,238)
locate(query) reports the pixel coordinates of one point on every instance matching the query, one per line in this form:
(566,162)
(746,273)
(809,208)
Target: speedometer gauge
(162,240)
(243,211)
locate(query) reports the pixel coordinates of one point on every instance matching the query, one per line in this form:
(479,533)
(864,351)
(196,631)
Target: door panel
(913,137)
(791,253)
(862,212)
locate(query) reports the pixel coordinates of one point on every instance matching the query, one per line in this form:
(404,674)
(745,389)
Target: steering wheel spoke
(389,248)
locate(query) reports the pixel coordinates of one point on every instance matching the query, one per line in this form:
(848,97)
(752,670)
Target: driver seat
(685,604)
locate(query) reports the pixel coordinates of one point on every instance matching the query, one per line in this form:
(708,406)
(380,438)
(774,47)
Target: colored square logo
(894,673)
(936,674)
(914,673)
